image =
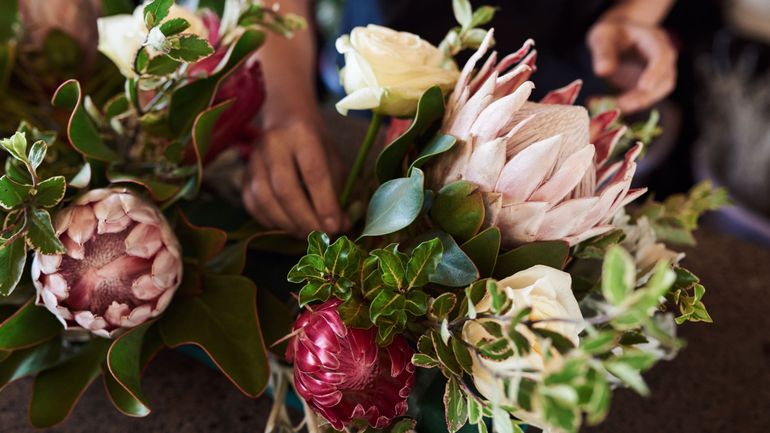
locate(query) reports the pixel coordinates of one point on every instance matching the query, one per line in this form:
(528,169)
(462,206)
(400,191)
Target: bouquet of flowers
(102,263)
(499,270)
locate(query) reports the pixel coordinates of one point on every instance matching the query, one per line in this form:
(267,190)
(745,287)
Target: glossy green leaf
(40,233)
(336,256)
(29,326)
(81,130)
(456,406)
(391,266)
(156,11)
(116,106)
(36,153)
(162,65)
(29,361)
(459,209)
(386,303)
(416,303)
(445,354)
(124,369)
(443,305)
(395,205)
(317,243)
(548,253)
(423,262)
(315,291)
(16,145)
(13,257)
(12,194)
(354,313)
(456,269)
(160,190)
(618,275)
(437,146)
(191,48)
(203,129)
(482,15)
(430,109)
(57,390)
(174,26)
(51,191)
(483,249)
(463,355)
(223,322)
(123,401)
(203,243)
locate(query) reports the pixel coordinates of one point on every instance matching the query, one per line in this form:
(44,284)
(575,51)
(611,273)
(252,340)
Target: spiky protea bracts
(542,167)
(122,265)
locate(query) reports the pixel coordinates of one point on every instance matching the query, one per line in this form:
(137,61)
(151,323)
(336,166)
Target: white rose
(387,71)
(548,292)
(122,36)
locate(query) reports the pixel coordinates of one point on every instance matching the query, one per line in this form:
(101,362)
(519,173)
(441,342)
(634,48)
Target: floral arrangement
(103,264)
(499,278)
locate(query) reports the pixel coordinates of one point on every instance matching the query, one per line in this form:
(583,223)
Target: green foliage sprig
(468,34)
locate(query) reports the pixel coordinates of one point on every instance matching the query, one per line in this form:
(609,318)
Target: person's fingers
(314,167)
(659,75)
(260,199)
(286,185)
(604,46)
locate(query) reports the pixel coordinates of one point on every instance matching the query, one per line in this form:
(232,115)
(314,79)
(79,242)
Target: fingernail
(330,224)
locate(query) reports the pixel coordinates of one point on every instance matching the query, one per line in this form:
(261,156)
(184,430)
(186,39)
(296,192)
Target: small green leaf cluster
(468,34)
(258,15)
(26,199)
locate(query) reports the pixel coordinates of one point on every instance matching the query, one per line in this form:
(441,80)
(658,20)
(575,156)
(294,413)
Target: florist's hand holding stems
(632,51)
(289,183)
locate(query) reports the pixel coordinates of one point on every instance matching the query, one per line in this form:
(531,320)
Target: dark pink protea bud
(122,266)
(344,375)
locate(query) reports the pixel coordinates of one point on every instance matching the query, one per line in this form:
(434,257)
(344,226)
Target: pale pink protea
(122,265)
(542,167)
(344,375)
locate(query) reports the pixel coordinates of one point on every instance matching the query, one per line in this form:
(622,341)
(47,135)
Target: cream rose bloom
(122,36)
(387,71)
(548,292)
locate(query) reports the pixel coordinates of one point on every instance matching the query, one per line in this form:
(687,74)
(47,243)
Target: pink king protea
(344,375)
(122,265)
(542,167)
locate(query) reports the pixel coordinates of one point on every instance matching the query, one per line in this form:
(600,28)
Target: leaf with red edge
(29,326)
(202,243)
(203,129)
(123,368)
(159,190)
(223,322)
(29,361)
(232,259)
(81,130)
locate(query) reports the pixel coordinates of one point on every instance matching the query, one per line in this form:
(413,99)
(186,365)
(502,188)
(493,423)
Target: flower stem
(363,152)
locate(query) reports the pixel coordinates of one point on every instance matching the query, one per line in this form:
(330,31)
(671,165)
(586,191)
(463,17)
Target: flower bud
(121,268)
(344,375)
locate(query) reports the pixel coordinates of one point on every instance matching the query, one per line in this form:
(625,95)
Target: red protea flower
(344,375)
(122,265)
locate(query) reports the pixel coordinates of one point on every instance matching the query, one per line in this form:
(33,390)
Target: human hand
(289,183)
(637,58)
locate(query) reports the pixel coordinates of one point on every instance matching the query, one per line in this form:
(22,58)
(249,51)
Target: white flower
(548,292)
(387,71)
(122,36)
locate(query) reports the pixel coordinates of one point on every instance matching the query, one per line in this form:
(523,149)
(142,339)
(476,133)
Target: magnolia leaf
(123,400)
(423,262)
(618,275)
(13,257)
(29,326)
(223,322)
(203,129)
(455,268)
(548,253)
(50,191)
(12,194)
(483,250)
(82,133)
(30,361)
(124,368)
(459,209)
(40,233)
(204,243)
(437,146)
(191,49)
(57,390)
(395,205)
(430,109)
(456,406)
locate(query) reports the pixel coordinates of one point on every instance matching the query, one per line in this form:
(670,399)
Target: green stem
(363,152)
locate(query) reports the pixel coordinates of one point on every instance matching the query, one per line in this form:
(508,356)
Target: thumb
(604,52)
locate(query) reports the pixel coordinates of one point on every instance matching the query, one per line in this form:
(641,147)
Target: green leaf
(126,403)
(13,257)
(29,326)
(174,26)
(459,209)
(386,303)
(203,242)
(336,256)
(116,106)
(30,361)
(57,390)
(191,49)
(309,267)
(618,275)
(82,133)
(549,253)
(416,303)
(395,205)
(355,314)
(424,361)
(455,269)
(483,249)
(162,65)
(445,354)
(12,194)
(438,145)
(37,153)
(51,191)
(443,305)
(314,291)
(16,145)
(463,355)
(599,343)
(456,406)
(232,259)
(317,243)
(156,11)
(40,234)
(403,426)
(482,15)
(423,262)
(223,322)
(430,109)
(463,14)
(628,375)
(392,267)
(124,368)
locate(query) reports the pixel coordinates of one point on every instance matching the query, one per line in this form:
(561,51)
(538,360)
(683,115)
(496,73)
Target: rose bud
(344,375)
(544,169)
(122,265)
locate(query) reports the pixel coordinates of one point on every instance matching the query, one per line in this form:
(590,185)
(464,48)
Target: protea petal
(485,164)
(567,95)
(496,118)
(527,170)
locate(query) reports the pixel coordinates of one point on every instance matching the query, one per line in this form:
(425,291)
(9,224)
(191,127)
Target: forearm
(289,69)
(647,12)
